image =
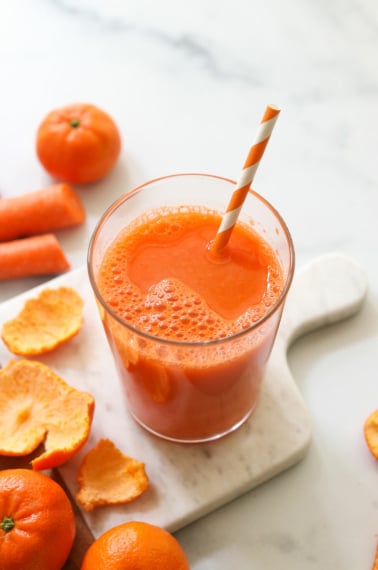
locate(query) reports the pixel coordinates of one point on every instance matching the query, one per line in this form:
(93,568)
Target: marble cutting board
(188,481)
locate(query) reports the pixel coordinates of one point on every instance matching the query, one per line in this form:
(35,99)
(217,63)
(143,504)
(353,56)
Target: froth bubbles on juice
(193,353)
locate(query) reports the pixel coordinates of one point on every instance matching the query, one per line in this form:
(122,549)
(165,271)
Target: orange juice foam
(161,278)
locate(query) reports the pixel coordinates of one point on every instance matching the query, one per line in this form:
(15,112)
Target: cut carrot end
(41,211)
(37,255)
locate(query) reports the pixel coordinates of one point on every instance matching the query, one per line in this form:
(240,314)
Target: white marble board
(188,481)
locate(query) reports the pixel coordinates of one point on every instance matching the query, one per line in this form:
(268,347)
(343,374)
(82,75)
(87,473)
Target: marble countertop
(187,83)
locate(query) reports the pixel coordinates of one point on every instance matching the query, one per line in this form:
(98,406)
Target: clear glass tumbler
(187,391)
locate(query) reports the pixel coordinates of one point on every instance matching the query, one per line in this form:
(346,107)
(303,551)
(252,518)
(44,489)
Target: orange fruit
(37,406)
(135,546)
(78,143)
(37,524)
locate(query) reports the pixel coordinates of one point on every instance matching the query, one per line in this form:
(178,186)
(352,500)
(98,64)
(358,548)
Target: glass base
(205,439)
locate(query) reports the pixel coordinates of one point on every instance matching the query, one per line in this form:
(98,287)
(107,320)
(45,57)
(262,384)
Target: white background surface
(187,83)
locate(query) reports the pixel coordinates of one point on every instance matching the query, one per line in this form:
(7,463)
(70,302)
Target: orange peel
(371,433)
(37,406)
(45,322)
(109,477)
(375,563)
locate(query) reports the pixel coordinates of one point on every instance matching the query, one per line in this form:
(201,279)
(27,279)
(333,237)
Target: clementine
(135,546)
(78,143)
(37,524)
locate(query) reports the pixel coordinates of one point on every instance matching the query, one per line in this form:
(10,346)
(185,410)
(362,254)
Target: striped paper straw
(247,175)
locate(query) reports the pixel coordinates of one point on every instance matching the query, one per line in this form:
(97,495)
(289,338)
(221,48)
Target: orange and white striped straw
(247,175)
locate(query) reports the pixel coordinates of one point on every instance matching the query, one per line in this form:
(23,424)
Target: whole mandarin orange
(78,143)
(37,524)
(135,546)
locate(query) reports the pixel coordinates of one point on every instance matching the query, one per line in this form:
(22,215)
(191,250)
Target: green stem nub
(7,524)
(74,123)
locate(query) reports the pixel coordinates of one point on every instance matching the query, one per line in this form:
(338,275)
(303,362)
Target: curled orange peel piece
(371,433)
(37,406)
(371,438)
(45,322)
(109,477)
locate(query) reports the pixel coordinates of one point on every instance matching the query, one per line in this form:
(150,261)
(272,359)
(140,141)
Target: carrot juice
(190,331)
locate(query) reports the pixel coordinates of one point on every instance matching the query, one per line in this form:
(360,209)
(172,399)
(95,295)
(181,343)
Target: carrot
(41,211)
(36,255)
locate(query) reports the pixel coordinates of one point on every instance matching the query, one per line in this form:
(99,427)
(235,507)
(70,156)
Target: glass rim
(185,343)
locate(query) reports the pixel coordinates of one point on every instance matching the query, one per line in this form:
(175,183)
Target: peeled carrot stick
(36,255)
(41,211)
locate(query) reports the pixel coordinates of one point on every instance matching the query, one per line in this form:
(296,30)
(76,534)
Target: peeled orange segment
(45,322)
(371,433)
(37,406)
(108,477)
